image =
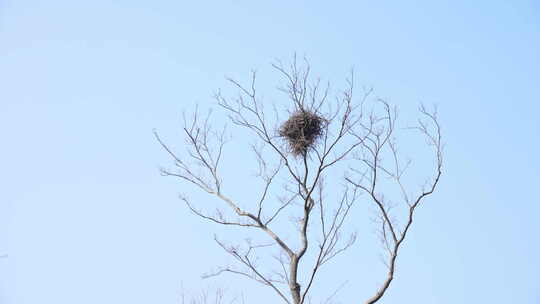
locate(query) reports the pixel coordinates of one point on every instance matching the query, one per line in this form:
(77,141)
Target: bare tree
(322,135)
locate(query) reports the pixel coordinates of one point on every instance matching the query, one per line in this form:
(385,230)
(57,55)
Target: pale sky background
(86,218)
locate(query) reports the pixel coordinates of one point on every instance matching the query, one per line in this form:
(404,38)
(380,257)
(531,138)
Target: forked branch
(374,147)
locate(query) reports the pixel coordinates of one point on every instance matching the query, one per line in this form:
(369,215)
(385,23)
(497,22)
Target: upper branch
(374,145)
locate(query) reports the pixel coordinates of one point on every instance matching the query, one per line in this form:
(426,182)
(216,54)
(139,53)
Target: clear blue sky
(86,218)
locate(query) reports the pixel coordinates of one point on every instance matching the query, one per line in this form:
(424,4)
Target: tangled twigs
(302,130)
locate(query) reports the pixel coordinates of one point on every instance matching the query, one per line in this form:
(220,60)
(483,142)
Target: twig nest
(302,130)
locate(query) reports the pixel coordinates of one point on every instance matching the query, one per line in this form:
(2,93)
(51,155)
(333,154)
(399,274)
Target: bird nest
(302,130)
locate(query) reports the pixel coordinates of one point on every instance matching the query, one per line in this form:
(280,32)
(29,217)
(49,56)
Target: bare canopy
(350,136)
